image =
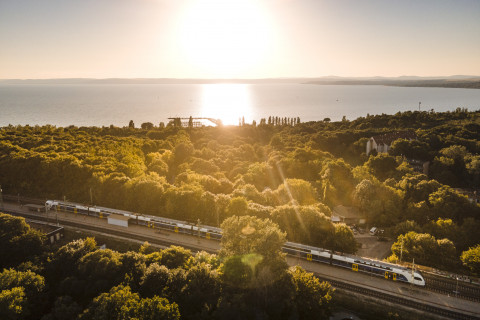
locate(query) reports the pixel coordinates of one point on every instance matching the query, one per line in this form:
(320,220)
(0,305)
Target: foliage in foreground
(249,279)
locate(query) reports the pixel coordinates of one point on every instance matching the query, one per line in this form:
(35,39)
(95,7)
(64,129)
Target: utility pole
(46,210)
(401,251)
(456,288)
(413,270)
(1,198)
(198,229)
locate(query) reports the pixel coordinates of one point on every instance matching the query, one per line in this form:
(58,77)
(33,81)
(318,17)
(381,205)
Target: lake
(117,104)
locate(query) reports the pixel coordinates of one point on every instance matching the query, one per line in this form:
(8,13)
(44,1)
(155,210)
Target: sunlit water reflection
(117,104)
(227,102)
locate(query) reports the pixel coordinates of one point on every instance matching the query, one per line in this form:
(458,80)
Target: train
(155,222)
(388,271)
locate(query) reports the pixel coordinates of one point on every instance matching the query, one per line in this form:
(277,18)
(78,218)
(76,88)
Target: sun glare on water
(224,38)
(227,102)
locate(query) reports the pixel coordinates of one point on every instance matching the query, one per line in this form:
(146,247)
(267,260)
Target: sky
(238,38)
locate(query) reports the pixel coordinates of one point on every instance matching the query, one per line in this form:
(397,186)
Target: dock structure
(193,122)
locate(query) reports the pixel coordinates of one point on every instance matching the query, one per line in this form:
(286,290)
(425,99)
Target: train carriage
(357,264)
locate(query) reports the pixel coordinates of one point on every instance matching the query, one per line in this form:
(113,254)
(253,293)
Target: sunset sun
(225,37)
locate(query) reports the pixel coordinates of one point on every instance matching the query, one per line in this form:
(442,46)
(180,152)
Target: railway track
(452,287)
(124,234)
(434,284)
(414,304)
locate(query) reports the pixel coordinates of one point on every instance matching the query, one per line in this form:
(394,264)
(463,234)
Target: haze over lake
(117,104)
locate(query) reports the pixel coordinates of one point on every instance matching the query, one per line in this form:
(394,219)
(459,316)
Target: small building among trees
(382,143)
(347,215)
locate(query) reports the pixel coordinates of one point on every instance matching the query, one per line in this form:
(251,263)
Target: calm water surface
(117,104)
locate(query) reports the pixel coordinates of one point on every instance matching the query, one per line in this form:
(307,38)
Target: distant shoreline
(440,83)
(467,82)
(460,81)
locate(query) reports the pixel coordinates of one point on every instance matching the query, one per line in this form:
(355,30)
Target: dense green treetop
(213,173)
(247,234)
(18,241)
(471,259)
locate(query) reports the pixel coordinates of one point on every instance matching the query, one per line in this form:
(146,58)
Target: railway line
(115,232)
(414,304)
(469,292)
(452,287)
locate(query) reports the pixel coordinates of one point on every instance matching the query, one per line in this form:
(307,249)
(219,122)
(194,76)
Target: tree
(133,265)
(147,126)
(405,227)
(121,303)
(381,166)
(190,122)
(18,241)
(65,308)
(100,269)
(155,281)
(364,194)
(182,151)
(305,224)
(255,278)
(21,293)
(158,308)
(65,261)
(447,203)
(425,249)
(131,124)
(247,234)
(33,283)
(344,240)
(471,259)
(412,149)
(172,257)
(337,182)
(312,298)
(201,292)
(297,190)
(12,304)
(238,206)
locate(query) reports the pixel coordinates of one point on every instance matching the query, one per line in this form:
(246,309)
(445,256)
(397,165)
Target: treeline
(80,281)
(293,175)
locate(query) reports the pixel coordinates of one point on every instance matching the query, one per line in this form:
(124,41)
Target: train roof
(353,257)
(305,247)
(377,263)
(140,216)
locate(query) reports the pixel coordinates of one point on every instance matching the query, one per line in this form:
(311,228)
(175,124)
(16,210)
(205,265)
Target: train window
(417,278)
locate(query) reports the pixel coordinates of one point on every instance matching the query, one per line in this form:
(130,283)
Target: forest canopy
(289,172)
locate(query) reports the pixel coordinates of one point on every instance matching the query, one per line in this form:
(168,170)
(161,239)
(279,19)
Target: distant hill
(450,82)
(458,81)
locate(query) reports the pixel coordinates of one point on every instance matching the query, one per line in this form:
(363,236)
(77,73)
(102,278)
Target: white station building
(118,220)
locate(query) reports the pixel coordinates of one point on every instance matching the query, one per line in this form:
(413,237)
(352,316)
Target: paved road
(326,271)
